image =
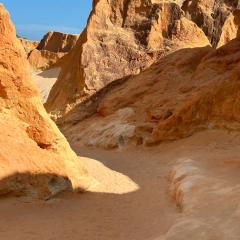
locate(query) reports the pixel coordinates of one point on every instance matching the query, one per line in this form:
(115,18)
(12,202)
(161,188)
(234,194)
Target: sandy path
(132,199)
(143,211)
(44,81)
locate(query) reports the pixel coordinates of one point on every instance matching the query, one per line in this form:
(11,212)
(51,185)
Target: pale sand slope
(132,200)
(44,80)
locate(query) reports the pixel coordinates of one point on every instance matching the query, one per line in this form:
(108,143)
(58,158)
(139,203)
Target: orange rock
(120,40)
(51,50)
(187,91)
(58,42)
(35,158)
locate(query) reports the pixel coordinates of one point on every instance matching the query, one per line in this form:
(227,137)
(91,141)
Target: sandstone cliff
(35,159)
(121,39)
(187,91)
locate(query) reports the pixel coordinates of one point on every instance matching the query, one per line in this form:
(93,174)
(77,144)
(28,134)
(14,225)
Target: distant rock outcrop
(35,158)
(51,50)
(121,38)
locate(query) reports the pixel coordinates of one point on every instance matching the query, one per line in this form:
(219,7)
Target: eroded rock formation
(210,15)
(188,90)
(28,45)
(125,37)
(35,159)
(231,28)
(121,38)
(51,50)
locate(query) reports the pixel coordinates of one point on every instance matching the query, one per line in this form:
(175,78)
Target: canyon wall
(35,158)
(187,91)
(121,38)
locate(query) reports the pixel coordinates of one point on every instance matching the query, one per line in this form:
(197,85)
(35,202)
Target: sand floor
(44,81)
(132,199)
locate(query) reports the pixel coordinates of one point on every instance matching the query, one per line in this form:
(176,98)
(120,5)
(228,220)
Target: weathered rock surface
(121,39)
(35,158)
(188,90)
(210,15)
(231,28)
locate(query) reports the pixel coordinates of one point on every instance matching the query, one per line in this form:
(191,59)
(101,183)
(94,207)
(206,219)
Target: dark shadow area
(42,186)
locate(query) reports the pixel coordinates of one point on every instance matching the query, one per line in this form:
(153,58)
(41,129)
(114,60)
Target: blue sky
(34,18)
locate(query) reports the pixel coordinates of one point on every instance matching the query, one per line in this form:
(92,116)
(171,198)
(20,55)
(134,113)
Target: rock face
(35,159)
(58,42)
(51,50)
(188,90)
(210,15)
(121,38)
